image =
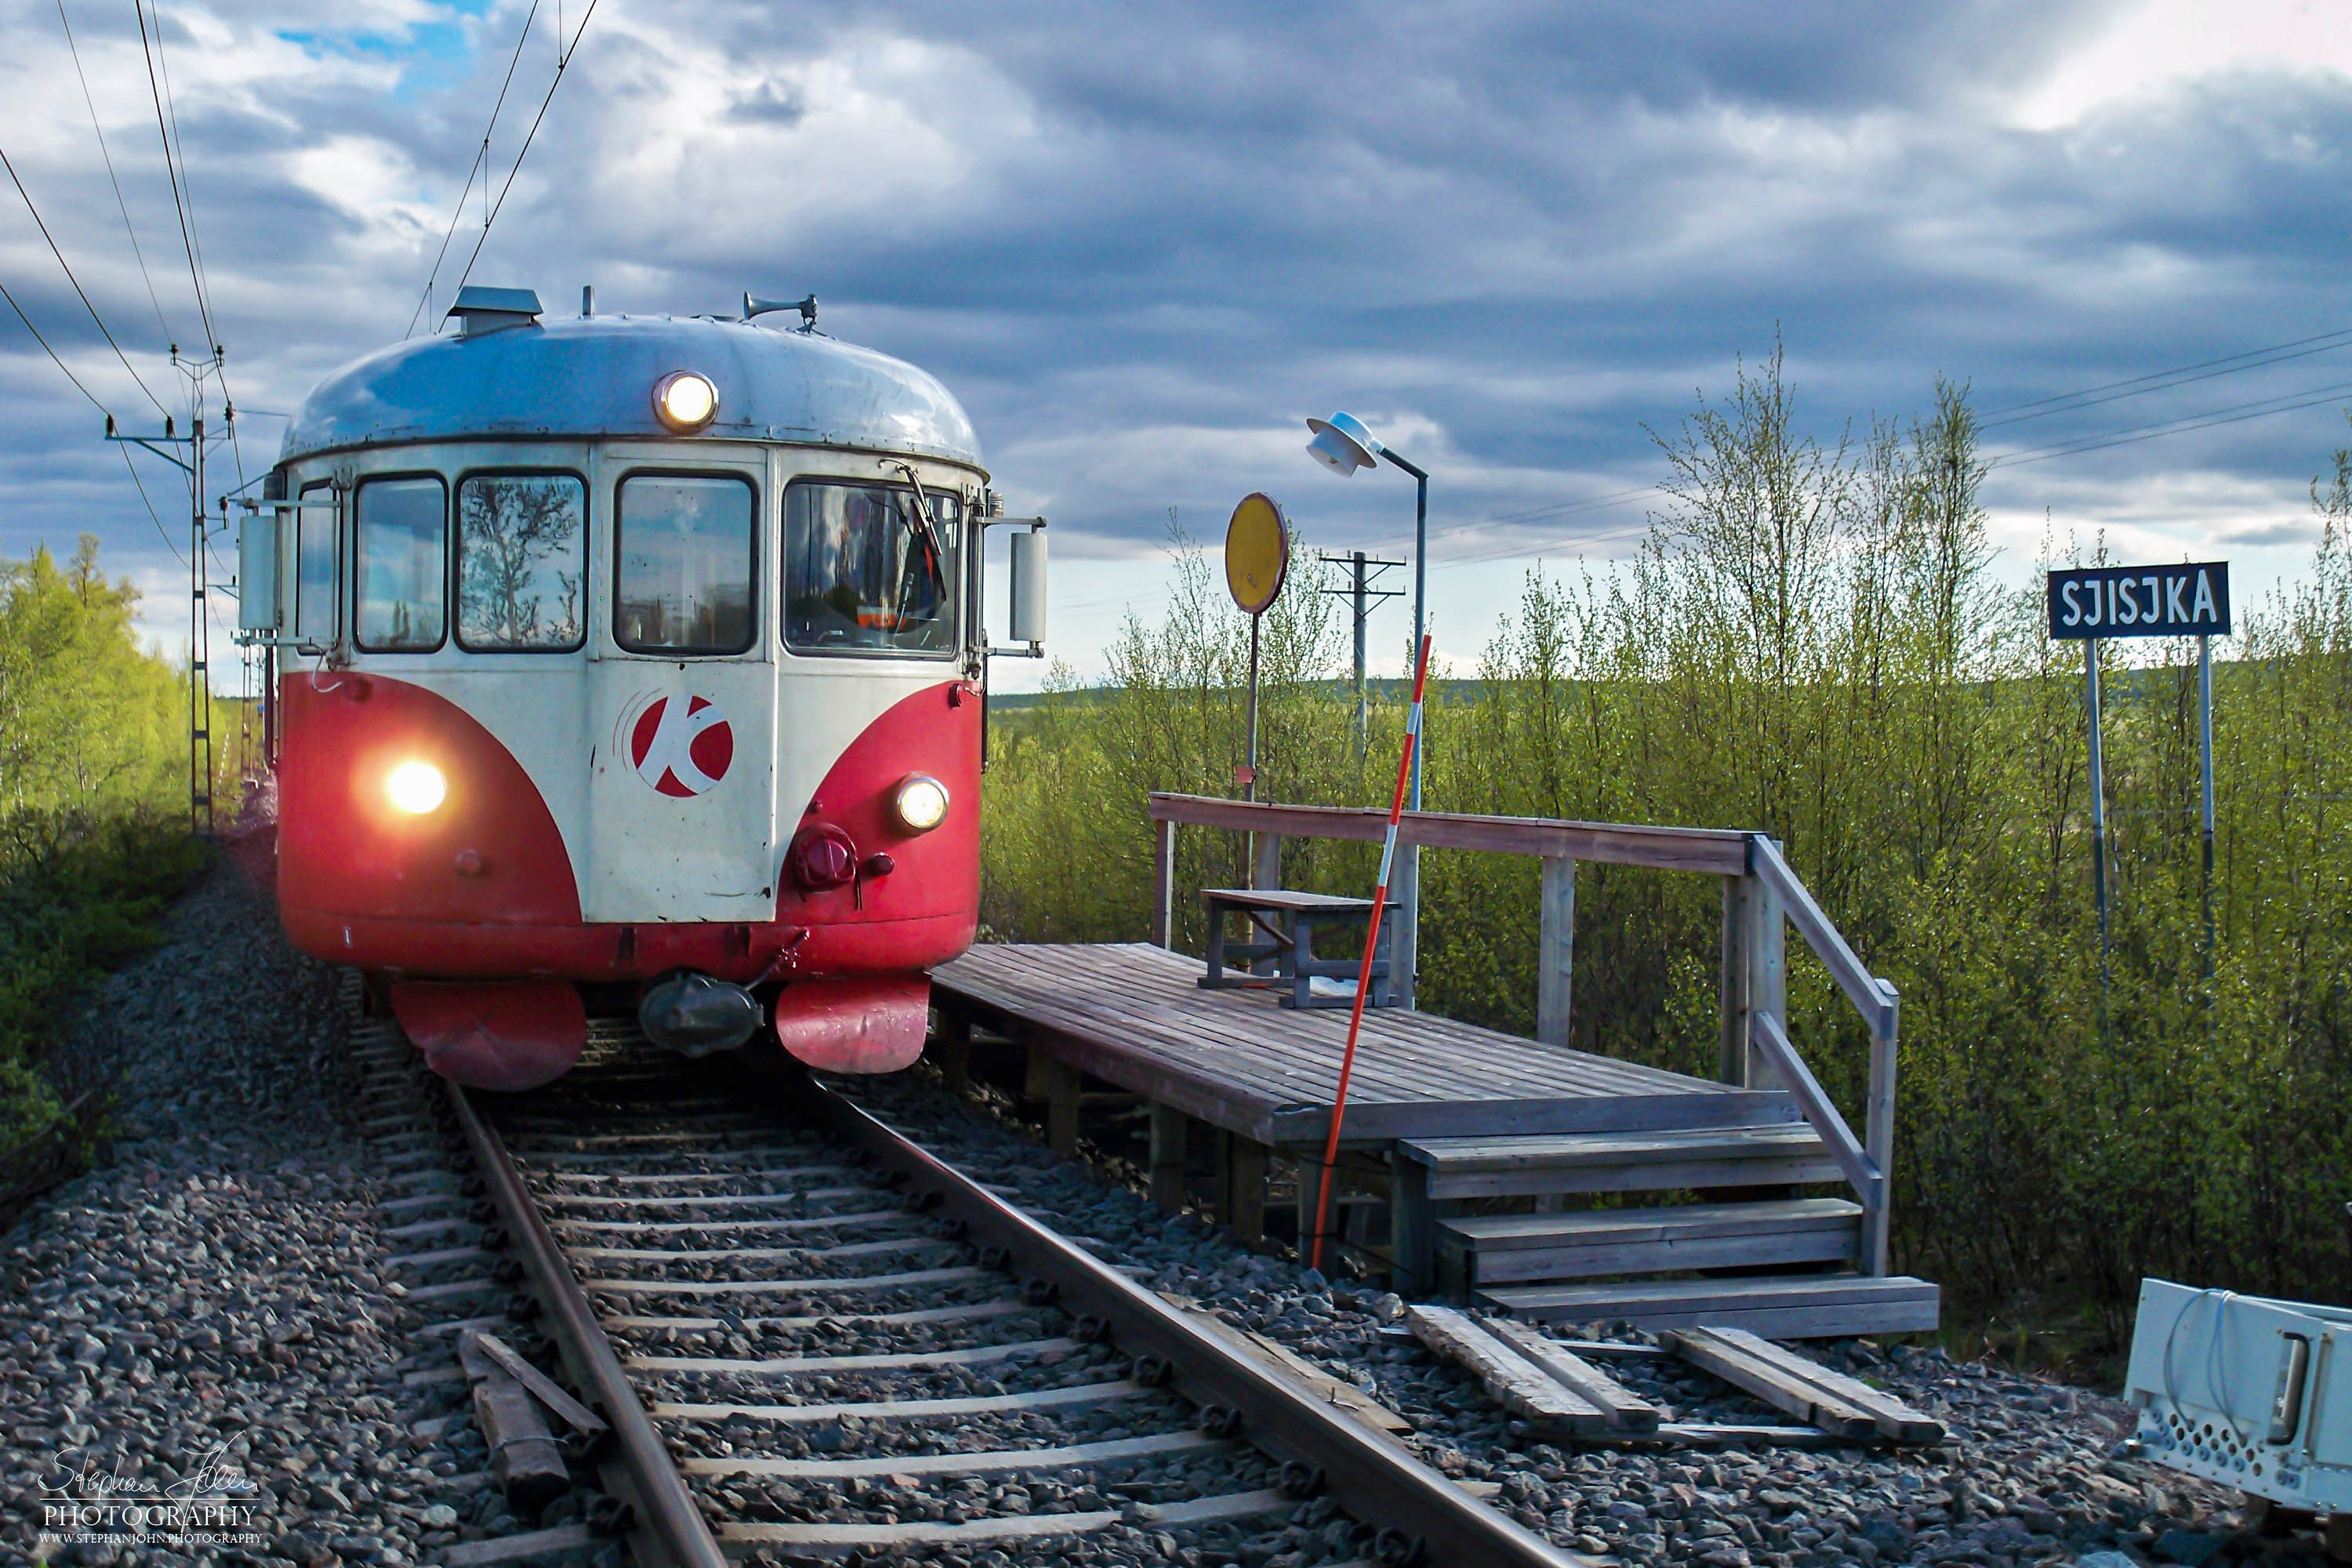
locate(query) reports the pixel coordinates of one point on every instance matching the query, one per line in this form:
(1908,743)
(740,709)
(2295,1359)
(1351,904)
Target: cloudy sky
(1142,244)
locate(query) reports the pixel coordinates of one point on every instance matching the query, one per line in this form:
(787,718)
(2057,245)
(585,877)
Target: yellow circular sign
(1257,553)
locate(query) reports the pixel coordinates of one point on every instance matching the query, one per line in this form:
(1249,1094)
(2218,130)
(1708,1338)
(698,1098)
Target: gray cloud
(1142,245)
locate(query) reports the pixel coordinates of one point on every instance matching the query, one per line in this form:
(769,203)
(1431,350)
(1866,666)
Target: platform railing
(1762,896)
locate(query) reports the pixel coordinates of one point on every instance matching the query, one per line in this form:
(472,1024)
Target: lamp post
(1343,444)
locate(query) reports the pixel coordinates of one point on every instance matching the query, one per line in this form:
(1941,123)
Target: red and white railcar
(630,661)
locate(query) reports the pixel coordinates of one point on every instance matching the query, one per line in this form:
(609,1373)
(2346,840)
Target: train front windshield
(867,571)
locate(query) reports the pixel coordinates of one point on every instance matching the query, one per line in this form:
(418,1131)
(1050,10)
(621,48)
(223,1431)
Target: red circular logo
(682,748)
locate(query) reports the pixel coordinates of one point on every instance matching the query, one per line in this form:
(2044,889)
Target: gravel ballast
(212,1311)
(2032,1472)
(216,1307)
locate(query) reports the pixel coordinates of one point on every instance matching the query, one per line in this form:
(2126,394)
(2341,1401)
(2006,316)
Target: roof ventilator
(481,312)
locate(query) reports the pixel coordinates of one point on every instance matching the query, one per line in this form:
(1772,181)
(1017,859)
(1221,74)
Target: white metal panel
(823,702)
(638,855)
(2223,1393)
(655,858)
(256,572)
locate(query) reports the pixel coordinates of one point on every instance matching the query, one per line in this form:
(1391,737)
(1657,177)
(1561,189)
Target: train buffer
(1518,1175)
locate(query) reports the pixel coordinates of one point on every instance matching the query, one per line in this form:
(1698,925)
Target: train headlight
(685,401)
(921,803)
(415,788)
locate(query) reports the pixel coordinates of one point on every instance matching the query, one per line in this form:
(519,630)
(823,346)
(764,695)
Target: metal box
(2247,1392)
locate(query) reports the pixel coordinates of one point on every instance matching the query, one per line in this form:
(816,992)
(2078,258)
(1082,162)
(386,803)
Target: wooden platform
(1134,1016)
(1478,1146)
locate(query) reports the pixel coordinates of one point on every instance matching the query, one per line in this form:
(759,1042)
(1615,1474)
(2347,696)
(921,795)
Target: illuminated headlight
(415,788)
(685,401)
(921,804)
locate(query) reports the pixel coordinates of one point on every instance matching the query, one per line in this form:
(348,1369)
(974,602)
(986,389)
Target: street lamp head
(1343,445)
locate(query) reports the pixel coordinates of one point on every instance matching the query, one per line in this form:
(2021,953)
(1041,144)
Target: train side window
(685,549)
(401,528)
(314,567)
(865,572)
(522,557)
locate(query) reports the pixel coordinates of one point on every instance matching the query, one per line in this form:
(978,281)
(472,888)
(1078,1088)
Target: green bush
(1811,644)
(93,828)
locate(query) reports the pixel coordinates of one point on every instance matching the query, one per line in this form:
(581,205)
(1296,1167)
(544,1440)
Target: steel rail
(666,1509)
(1422,1516)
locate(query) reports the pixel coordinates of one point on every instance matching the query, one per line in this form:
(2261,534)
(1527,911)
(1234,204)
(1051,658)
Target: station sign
(2190,600)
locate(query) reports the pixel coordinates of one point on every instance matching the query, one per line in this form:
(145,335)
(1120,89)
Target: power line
(2235,415)
(77,282)
(153,515)
(171,167)
(562,64)
(61,364)
(2178,379)
(481,162)
(1511,552)
(101,407)
(187,182)
(1557,509)
(2013,413)
(121,205)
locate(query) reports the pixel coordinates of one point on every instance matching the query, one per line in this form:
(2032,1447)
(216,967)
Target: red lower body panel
(473,911)
(868,1022)
(506,1037)
(743,953)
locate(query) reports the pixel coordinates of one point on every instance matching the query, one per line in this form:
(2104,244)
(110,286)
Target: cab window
(401,529)
(314,565)
(868,571)
(685,563)
(522,557)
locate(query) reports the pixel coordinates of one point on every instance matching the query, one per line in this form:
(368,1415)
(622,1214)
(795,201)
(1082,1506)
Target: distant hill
(1395,690)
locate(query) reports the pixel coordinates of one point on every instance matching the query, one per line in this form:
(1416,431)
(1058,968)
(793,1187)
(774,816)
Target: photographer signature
(76,1474)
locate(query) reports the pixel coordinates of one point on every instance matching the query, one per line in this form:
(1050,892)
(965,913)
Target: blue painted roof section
(574,377)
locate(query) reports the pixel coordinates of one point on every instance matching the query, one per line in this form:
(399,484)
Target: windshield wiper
(921,520)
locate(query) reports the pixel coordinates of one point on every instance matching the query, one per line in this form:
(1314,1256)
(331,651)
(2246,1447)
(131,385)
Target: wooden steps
(1782,1152)
(1783,1264)
(1494,1249)
(1811,1306)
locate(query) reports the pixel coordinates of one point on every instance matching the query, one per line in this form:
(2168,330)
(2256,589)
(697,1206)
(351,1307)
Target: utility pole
(200,694)
(1362,571)
(200,683)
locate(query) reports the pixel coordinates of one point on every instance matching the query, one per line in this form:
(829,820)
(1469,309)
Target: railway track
(815,1342)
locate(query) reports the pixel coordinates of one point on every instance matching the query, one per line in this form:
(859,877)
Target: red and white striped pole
(1371,947)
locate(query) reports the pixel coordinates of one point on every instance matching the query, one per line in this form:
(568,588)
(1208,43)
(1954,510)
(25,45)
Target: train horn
(806,306)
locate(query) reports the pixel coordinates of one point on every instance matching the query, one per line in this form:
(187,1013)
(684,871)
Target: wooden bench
(1289,944)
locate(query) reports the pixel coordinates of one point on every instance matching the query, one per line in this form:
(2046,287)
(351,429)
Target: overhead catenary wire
(562,64)
(175,151)
(59,363)
(481,164)
(103,331)
(166,123)
(121,205)
(153,515)
(101,407)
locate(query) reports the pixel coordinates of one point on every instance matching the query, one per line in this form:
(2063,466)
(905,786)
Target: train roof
(586,376)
